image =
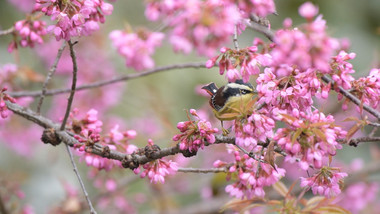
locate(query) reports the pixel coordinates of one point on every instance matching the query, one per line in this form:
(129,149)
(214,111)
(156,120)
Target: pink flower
(137,48)
(247,59)
(261,8)
(25,6)
(309,142)
(257,127)
(308,10)
(30,32)
(157,170)
(194,134)
(358,196)
(342,69)
(88,130)
(3,107)
(326,182)
(367,89)
(251,177)
(79,18)
(203,25)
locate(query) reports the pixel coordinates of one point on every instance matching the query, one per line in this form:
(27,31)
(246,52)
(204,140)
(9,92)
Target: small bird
(227,101)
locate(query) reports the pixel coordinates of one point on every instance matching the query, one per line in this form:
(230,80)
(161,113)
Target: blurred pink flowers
(74,18)
(30,32)
(137,48)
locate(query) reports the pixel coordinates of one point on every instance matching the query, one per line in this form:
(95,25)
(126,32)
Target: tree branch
(129,160)
(352,98)
(194,170)
(256,25)
(62,128)
(7,31)
(73,85)
(49,75)
(108,82)
(355,141)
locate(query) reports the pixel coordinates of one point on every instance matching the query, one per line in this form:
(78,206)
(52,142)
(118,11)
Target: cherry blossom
(3,107)
(30,33)
(309,136)
(249,176)
(203,25)
(137,48)
(74,18)
(325,182)
(157,170)
(194,134)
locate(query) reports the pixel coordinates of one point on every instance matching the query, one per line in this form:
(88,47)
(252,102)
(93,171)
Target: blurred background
(151,105)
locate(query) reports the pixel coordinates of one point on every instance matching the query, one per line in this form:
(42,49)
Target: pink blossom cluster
(137,48)
(119,141)
(261,8)
(157,170)
(367,89)
(295,91)
(30,32)
(88,132)
(308,46)
(203,25)
(342,70)
(23,5)
(74,18)
(358,196)
(247,59)
(251,176)
(325,182)
(3,107)
(309,136)
(194,134)
(257,127)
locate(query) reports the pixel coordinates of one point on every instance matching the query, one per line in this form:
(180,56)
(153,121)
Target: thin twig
(62,128)
(73,86)
(373,131)
(7,31)
(250,154)
(374,124)
(235,40)
(110,81)
(92,210)
(195,170)
(256,25)
(352,98)
(48,77)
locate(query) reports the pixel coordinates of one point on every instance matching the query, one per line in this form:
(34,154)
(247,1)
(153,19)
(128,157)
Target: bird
(228,101)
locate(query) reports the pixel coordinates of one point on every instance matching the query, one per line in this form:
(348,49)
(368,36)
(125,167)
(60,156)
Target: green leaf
(320,134)
(296,135)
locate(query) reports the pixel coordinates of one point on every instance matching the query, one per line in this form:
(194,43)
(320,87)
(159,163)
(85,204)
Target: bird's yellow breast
(233,105)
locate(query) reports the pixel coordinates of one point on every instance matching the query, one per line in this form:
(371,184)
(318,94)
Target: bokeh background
(158,101)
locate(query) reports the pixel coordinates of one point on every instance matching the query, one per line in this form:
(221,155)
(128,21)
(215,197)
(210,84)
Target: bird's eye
(243,91)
